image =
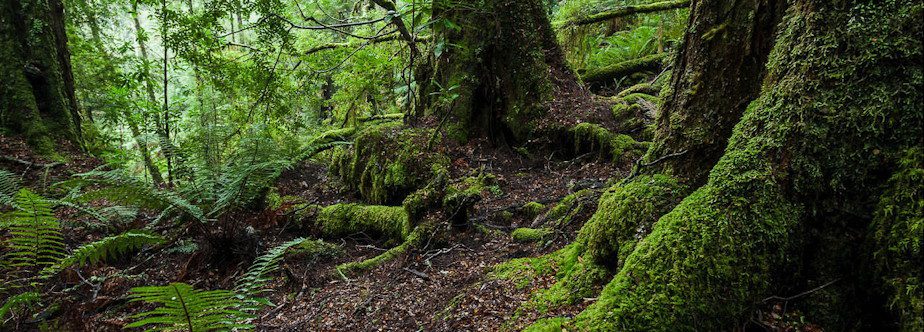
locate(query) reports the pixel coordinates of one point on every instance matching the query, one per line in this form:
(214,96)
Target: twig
(790,298)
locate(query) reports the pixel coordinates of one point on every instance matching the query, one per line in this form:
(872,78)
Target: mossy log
(612,72)
(626,11)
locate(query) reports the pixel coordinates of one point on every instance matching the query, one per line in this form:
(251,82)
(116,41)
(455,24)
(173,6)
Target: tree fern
(183,308)
(35,236)
(103,249)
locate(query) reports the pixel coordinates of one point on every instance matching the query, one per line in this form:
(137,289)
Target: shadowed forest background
(461,165)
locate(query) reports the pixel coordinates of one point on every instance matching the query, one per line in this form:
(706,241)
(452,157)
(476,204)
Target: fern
(120,187)
(181,307)
(18,301)
(9,185)
(35,236)
(252,283)
(103,249)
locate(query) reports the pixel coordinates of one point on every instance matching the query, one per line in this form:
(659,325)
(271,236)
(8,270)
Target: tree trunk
(716,74)
(37,87)
(491,69)
(839,109)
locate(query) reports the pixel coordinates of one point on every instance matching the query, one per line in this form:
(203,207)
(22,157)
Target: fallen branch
(626,11)
(29,163)
(625,68)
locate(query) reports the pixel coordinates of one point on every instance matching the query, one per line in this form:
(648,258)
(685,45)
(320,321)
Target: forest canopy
(537,165)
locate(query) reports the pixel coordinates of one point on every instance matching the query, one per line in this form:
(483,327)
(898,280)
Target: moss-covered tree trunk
(716,74)
(37,96)
(491,69)
(839,109)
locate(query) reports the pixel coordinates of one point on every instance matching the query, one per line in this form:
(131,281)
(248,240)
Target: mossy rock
(387,162)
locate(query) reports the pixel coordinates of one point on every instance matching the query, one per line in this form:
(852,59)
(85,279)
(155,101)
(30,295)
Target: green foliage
(35,235)
(897,229)
(253,282)
(103,249)
(117,186)
(183,308)
(9,185)
(17,302)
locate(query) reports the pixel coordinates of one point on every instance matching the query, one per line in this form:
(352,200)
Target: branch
(398,23)
(330,46)
(624,68)
(626,11)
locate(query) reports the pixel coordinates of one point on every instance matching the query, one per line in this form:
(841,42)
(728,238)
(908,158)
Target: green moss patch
(344,219)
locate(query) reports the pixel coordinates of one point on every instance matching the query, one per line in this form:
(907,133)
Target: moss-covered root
(625,214)
(413,239)
(898,229)
(343,219)
(590,137)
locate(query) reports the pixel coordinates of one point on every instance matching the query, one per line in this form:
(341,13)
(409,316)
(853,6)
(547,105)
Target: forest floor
(442,286)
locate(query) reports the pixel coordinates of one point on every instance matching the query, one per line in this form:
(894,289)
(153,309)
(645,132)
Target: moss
(462,195)
(413,238)
(552,324)
(427,197)
(344,219)
(564,211)
(532,209)
(530,234)
(387,162)
(898,237)
(625,214)
(592,137)
(312,249)
(523,271)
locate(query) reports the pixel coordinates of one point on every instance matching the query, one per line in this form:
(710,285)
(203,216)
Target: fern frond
(120,187)
(252,283)
(35,236)
(17,302)
(9,185)
(181,307)
(92,253)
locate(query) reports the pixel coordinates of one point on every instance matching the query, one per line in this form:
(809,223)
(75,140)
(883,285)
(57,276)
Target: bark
(498,65)
(716,74)
(37,85)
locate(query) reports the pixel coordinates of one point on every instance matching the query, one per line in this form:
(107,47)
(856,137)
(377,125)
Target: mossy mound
(343,219)
(462,195)
(589,137)
(532,209)
(526,235)
(387,162)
